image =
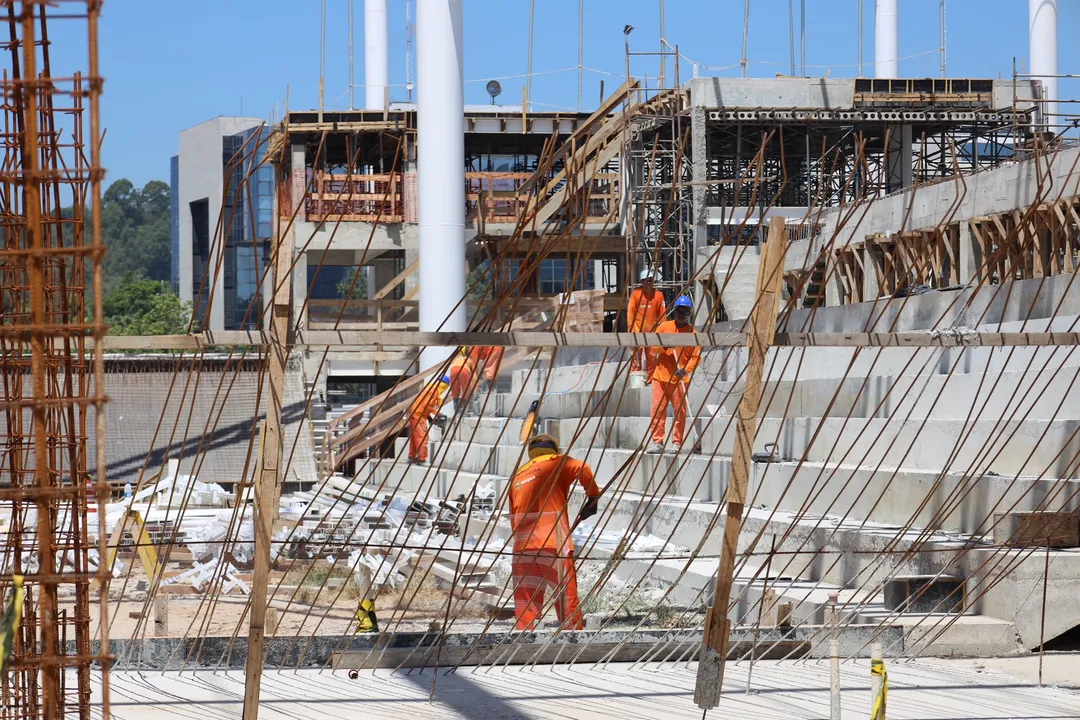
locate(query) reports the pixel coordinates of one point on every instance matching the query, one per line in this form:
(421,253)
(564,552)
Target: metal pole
(322,61)
(860,36)
(834,657)
(802,36)
(663,57)
(791,32)
(352,65)
(528,78)
(580,50)
(745,35)
(1042,623)
(410,32)
(43,480)
(943,45)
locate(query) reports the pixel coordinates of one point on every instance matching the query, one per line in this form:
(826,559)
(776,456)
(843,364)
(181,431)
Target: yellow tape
(877,668)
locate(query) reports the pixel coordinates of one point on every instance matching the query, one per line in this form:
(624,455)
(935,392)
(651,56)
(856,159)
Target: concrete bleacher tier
(898,476)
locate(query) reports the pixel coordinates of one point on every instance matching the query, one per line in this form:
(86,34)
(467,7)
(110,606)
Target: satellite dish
(494,89)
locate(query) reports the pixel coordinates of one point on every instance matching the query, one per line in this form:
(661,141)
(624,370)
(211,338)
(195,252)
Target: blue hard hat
(684,301)
(446,379)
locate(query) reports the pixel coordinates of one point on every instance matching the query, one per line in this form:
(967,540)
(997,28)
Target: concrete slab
(917,691)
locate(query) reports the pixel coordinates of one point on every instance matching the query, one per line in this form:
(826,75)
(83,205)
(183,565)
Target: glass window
(555,275)
(326,284)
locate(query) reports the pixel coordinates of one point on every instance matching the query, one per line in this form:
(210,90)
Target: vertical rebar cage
(50,358)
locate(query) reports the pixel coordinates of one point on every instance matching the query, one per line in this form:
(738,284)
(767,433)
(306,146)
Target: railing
(497,193)
(502,204)
(356,198)
(490,197)
(389,314)
(384,314)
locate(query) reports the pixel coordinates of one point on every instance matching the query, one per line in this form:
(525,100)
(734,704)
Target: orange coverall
(643,314)
(543,548)
(461,373)
(666,388)
(487,359)
(424,407)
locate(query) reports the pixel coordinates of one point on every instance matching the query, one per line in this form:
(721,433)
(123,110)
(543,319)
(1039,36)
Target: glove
(440,421)
(589,509)
(680,374)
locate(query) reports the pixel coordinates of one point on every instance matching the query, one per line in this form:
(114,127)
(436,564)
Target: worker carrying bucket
(670,376)
(644,312)
(543,548)
(424,412)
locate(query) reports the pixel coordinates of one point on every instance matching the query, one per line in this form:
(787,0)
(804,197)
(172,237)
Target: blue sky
(171,65)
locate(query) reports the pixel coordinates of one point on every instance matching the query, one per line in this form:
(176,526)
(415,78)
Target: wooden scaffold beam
(710,677)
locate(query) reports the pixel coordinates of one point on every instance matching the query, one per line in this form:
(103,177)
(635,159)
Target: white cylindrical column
(441,170)
(1043,48)
(376,54)
(887,40)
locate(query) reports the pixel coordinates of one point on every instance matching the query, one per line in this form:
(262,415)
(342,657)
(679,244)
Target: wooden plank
(397,280)
(762,328)
(407,340)
(267,476)
(1034,529)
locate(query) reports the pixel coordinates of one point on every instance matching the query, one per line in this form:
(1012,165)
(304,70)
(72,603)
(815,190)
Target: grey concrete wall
(772,92)
(986,193)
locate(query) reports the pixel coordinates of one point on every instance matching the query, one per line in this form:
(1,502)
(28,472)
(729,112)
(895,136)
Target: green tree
(480,283)
(139,306)
(137,230)
(347,289)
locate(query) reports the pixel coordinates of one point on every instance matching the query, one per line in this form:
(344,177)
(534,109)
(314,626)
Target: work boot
(419,463)
(655,449)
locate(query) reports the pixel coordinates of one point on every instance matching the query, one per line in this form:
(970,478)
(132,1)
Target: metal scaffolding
(50,287)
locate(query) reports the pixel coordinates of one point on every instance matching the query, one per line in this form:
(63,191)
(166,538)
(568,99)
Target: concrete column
(871,279)
(887,39)
(299,291)
(297,175)
(441,138)
(970,253)
(833,292)
(899,158)
(1043,48)
(700,168)
(376,54)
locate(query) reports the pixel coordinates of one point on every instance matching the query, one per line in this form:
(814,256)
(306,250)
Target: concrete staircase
(901,477)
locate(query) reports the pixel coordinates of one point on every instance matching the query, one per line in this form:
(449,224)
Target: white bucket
(637,380)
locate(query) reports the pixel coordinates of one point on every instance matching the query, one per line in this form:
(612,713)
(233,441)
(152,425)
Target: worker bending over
(645,311)
(670,378)
(487,360)
(462,376)
(424,411)
(543,548)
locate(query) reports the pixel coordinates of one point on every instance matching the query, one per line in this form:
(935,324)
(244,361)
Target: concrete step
(1028,447)
(920,390)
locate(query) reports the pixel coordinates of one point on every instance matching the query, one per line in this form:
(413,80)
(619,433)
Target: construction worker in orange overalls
(463,376)
(670,378)
(645,311)
(487,360)
(543,548)
(424,411)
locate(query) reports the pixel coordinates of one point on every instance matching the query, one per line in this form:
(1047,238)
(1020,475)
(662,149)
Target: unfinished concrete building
(883,456)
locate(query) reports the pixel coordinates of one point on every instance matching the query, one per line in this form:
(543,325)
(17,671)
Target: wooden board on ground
(1034,529)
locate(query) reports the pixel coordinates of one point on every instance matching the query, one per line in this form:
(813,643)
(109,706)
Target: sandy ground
(303,608)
